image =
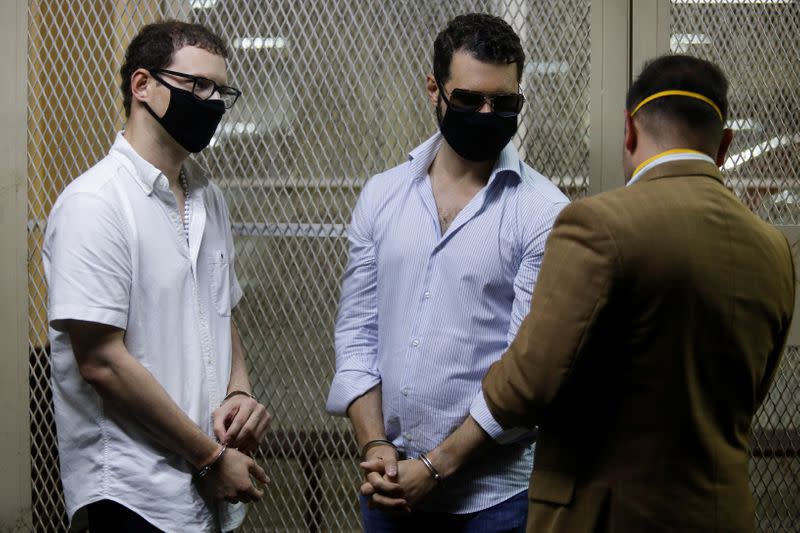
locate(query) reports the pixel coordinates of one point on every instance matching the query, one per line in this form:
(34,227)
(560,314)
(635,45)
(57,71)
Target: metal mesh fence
(756,44)
(333,93)
(775,467)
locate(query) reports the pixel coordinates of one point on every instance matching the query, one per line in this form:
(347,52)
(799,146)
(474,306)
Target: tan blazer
(657,322)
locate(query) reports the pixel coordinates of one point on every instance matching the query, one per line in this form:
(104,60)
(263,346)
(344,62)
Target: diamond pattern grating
(756,45)
(333,93)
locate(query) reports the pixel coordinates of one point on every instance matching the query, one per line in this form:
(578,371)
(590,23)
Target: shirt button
(404,391)
(427,294)
(407,436)
(415,342)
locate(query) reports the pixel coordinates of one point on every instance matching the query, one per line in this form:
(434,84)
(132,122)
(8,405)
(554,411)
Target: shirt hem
(133,508)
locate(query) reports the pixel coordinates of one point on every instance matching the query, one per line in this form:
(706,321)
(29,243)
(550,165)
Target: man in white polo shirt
(153,405)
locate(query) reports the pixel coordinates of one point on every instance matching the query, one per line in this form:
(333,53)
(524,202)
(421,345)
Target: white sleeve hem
(60,313)
(479,410)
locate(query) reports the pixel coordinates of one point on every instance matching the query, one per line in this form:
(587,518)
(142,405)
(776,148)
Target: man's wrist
(431,469)
(203,472)
(206,454)
(238,392)
(442,463)
(375,443)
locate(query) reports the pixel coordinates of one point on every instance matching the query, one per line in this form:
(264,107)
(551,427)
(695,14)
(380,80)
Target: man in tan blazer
(656,327)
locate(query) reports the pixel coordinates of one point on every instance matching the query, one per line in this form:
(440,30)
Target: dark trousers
(108,516)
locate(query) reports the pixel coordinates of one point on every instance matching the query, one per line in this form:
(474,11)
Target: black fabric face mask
(477,136)
(191,122)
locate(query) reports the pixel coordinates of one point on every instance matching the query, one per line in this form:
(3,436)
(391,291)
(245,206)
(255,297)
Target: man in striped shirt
(444,254)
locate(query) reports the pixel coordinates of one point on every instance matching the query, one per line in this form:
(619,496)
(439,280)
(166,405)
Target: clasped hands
(241,424)
(391,484)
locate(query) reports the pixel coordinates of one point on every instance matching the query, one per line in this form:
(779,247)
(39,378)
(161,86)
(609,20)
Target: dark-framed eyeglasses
(503,104)
(202,88)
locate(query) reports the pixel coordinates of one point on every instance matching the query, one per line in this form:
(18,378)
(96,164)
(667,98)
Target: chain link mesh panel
(73,111)
(333,93)
(775,467)
(756,44)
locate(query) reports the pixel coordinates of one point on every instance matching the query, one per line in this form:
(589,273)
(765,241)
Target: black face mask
(191,122)
(477,136)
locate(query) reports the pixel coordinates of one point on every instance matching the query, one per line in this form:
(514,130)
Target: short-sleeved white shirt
(115,253)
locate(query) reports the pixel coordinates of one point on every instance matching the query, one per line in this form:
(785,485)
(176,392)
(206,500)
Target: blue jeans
(505,517)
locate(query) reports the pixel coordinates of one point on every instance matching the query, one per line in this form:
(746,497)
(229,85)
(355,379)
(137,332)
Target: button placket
(413,350)
(206,349)
(167,200)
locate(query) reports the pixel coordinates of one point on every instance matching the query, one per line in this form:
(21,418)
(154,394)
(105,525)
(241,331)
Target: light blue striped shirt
(426,314)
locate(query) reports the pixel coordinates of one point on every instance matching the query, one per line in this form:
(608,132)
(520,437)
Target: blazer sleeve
(775,356)
(575,282)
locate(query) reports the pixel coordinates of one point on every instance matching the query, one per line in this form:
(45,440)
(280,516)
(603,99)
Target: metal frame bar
(649,31)
(15,481)
(610,75)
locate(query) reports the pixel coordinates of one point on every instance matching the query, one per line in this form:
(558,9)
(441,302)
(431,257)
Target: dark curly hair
(155,44)
(685,73)
(486,37)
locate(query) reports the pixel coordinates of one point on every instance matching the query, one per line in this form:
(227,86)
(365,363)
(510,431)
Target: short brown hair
(155,44)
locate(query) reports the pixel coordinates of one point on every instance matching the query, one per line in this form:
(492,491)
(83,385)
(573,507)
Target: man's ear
(432,89)
(631,133)
(724,144)
(140,85)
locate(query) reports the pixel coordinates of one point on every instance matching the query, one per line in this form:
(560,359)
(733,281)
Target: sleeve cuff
(346,387)
(479,410)
(59,314)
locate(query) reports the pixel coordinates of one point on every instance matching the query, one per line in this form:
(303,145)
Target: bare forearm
(105,363)
(129,387)
(459,448)
(366,415)
(240,380)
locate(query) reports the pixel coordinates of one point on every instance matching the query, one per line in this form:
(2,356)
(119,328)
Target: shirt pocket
(220,273)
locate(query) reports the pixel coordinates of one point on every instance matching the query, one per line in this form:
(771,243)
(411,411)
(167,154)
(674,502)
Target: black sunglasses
(504,104)
(203,88)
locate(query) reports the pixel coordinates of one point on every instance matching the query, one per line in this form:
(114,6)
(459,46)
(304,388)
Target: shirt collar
(677,154)
(422,156)
(148,176)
